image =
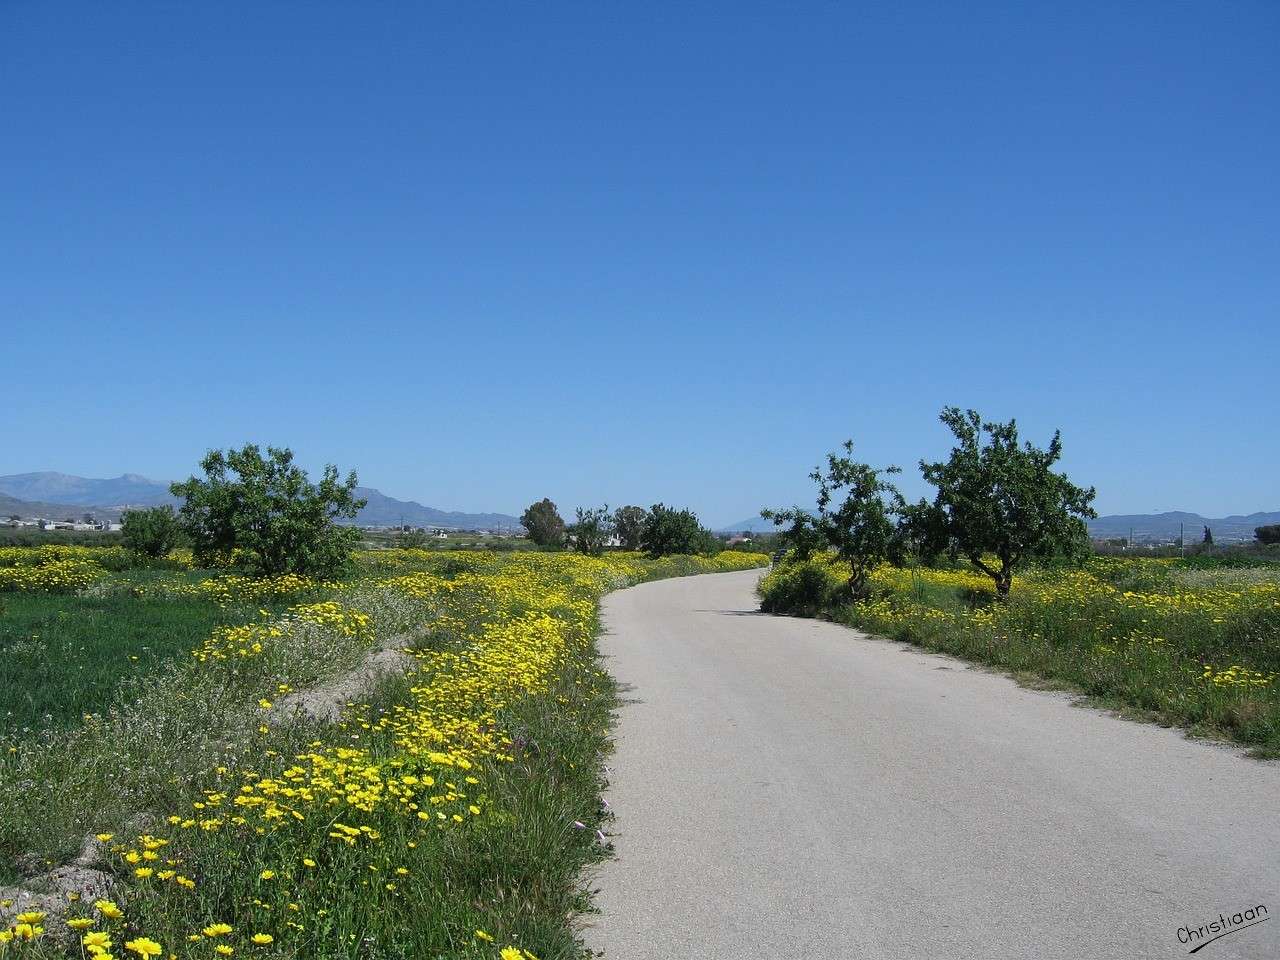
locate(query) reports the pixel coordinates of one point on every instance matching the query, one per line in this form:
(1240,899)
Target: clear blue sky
(490,252)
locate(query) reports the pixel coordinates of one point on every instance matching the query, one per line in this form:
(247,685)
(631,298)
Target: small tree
(264,512)
(999,504)
(1208,537)
(152,532)
(628,524)
(861,529)
(1268,534)
(410,538)
(543,522)
(667,531)
(592,531)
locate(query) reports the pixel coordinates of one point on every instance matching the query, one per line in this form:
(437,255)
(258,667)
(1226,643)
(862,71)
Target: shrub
(152,533)
(1268,534)
(801,588)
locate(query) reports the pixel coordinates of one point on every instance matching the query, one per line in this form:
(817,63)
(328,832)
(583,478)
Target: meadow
(164,790)
(1193,642)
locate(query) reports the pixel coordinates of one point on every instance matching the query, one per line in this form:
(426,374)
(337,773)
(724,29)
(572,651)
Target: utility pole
(1182,539)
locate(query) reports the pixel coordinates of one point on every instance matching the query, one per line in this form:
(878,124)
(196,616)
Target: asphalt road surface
(788,788)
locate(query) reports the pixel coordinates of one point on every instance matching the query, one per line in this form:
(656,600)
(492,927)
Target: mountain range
(1144,526)
(59,495)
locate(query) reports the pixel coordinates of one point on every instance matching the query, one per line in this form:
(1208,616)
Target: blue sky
(490,252)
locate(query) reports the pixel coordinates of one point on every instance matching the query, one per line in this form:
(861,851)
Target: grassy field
(447,813)
(1194,643)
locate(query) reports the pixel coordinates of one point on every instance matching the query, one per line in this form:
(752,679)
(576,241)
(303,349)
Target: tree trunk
(857,586)
(1004,580)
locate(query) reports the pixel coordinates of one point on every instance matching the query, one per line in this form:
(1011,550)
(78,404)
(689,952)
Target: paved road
(791,789)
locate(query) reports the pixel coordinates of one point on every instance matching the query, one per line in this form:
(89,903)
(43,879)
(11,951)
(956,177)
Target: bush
(801,588)
(1268,534)
(152,533)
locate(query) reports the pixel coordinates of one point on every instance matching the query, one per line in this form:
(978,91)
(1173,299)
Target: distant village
(86,522)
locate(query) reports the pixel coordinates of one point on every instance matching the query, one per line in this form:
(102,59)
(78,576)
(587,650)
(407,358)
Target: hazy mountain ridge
(1149,526)
(1168,525)
(57,495)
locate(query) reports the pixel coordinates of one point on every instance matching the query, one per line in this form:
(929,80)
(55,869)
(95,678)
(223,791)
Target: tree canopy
(628,524)
(543,521)
(592,530)
(668,531)
(855,517)
(264,513)
(999,503)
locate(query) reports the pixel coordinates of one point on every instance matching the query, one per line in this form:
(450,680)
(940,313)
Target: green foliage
(860,528)
(1268,534)
(592,531)
(999,504)
(153,532)
(628,524)
(667,531)
(411,539)
(800,588)
(544,524)
(266,514)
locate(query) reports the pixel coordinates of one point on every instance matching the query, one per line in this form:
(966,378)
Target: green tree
(667,531)
(152,532)
(855,517)
(1268,534)
(1208,537)
(998,503)
(592,531)
(544,524)
(628,524)
(411,538)
(263,512)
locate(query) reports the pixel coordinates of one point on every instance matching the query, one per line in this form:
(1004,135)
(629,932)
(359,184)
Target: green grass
(65,655)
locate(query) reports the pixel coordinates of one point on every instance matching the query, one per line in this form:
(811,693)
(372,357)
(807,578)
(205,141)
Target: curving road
(793,789)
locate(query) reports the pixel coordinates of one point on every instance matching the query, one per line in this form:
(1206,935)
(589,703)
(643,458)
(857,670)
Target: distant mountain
(384,511)
(1165,526)
(48,487)
(754,525)
(57,495)
(1145,526)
